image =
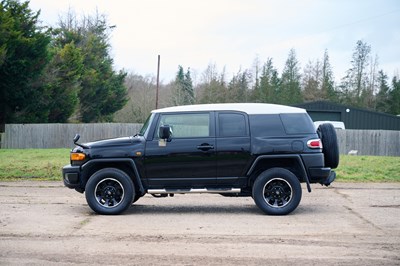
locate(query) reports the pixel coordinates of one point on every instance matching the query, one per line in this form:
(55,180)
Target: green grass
(38,164)
(46,164)
(368,169)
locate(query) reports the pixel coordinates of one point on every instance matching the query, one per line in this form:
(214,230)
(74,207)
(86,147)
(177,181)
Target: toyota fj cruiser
(260,150)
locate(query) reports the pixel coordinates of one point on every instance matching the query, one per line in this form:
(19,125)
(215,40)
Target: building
(353,118)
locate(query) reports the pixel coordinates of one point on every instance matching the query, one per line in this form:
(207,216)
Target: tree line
(65,74)
(364,85)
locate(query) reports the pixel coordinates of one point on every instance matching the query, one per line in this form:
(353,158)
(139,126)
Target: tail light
(314,144)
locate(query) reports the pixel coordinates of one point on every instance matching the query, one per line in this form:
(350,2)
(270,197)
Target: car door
(188,159)
(233,147)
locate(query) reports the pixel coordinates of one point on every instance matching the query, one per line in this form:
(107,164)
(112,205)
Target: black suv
(260,150)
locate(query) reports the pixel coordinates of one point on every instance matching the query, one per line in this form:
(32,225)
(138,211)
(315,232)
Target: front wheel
(109,191)
(277,191)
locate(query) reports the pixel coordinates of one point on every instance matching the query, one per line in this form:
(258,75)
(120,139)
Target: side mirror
(165,132)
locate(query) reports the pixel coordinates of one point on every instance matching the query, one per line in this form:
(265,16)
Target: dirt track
(346,224)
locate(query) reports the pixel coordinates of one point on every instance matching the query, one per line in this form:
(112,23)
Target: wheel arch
(124,164)
(291,162)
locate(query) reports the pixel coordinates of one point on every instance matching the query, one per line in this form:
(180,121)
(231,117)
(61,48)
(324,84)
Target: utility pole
(158,80)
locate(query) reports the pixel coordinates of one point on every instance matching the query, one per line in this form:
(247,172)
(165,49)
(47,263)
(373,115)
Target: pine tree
(394,96)
(23,56)
(382,98)
(183,93)
(269,84)
(290,91)
(328,84)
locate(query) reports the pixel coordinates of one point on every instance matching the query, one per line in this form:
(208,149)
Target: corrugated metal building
(353,118)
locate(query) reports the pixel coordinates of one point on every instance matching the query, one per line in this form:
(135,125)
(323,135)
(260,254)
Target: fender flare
(283,156)
(132,164)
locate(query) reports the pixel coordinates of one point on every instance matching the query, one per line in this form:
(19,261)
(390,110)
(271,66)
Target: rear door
(189,159)
(233,147)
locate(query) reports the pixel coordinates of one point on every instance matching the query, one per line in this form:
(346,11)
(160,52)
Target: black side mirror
(165,132)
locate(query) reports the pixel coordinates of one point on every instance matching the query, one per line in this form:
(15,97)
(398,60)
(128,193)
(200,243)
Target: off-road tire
(277,191)
(330,147)
(109,191)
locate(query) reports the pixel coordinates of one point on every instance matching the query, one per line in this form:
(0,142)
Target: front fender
(88,166)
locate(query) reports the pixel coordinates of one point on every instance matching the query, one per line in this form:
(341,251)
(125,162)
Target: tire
(109,191)
(277,191)
(330,146)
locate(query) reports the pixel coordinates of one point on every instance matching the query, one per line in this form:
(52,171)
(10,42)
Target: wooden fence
(369,142)
(23,136)
(27,136)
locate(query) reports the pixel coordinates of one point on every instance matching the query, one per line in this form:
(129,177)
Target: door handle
(205,147)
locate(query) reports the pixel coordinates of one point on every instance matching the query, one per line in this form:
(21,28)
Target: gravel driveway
(45,223)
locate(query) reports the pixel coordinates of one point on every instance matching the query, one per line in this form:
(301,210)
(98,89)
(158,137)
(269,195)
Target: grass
(46,164)
(368,169)
(38,164)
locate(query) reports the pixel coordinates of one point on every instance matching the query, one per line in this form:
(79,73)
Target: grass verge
(368,169)
(46,164)
(38,164)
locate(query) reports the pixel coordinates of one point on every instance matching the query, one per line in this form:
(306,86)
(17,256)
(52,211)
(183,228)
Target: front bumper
(71,176)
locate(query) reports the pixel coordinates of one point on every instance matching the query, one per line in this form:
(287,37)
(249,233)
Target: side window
(297,123)
(232,125)
(186,125)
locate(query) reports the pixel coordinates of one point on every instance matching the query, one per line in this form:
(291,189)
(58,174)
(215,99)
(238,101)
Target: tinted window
(232,125)
(187,125)
(266,125)
(297,123)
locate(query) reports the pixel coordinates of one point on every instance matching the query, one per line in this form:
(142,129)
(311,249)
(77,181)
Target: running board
(192,190)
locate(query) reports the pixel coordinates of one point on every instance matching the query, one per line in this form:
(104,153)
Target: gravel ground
(44,223)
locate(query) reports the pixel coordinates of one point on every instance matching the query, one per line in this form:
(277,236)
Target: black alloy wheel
(109,191)
(277,191)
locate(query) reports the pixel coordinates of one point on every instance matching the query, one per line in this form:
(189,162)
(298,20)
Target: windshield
(146,125)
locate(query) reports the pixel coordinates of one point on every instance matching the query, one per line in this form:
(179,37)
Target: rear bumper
(324,175)
(71,176)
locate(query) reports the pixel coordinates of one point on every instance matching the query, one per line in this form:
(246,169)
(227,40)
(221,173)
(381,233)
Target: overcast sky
(232,33)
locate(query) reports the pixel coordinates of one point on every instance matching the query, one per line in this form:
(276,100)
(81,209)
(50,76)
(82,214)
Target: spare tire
(330,147)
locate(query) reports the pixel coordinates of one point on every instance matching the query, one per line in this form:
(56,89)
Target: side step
(193,190)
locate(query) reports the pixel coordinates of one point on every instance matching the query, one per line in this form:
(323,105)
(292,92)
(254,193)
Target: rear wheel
(277,191)
(109,191)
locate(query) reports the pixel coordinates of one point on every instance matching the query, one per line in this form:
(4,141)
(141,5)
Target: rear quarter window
(266,125)
(297,123)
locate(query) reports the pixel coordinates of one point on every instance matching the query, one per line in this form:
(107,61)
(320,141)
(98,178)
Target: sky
(232,33)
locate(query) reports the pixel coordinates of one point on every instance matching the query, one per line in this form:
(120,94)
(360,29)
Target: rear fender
(263,162)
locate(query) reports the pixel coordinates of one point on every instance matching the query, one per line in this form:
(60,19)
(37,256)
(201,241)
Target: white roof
(249,108)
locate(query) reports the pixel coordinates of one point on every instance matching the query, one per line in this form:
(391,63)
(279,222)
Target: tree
(269,84)
(63,82)
(184,93)
(141,99)
(290,91)
(318,81)
(102,90)
(212,88)
(394,96)
(328,84)
(23,56)
(355,81)
(312,78)
(238,88)
(382,98)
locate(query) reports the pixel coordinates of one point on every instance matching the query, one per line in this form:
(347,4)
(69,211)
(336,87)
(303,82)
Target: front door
(188,160)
